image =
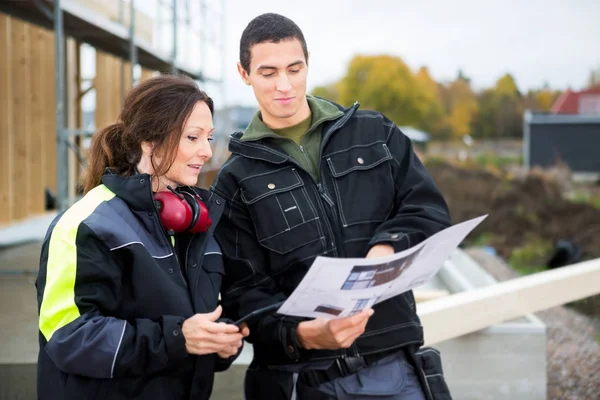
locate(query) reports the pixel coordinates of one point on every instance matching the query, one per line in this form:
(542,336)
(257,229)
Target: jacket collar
(263,150)
(321,110)
(136,191)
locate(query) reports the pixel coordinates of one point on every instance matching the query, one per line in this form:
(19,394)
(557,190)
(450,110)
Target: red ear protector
(182,212)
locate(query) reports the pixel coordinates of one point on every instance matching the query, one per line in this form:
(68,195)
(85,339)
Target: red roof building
(585,102)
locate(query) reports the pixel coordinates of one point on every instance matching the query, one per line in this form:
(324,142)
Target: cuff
(221,364)
(399,241)
(174,339)
(289,339)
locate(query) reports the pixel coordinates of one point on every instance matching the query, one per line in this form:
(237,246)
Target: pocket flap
(359,157)
(213,263)
(261,186)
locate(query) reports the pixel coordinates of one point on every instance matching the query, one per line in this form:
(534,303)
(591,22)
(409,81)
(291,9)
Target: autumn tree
(461,106)
(386,84)
(433,118)
(329,92)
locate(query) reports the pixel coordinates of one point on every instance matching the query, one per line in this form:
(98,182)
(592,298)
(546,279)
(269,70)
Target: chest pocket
(363,183)
(210,283)
(284,217)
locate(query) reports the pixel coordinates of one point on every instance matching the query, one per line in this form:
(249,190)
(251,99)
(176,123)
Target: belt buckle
(350,365)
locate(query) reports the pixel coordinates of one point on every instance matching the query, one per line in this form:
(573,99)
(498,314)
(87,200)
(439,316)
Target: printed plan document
(340,287)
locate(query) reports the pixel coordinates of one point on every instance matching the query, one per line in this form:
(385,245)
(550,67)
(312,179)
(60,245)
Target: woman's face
(193,151)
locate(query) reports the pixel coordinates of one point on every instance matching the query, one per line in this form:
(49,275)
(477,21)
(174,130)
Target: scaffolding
(174,22)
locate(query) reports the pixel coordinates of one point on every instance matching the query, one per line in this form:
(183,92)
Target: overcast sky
(537,41)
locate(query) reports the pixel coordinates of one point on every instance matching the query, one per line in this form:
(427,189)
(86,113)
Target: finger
(228,352)
(341,324)
(213,327)
(225,339)
(245,331)
(213,316)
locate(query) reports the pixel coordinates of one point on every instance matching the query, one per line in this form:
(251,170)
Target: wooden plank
(100,84)
(108,89)
(36,140)
(127,79)
(5,120)
(48,113)
(146,74)
(21,117)
(471,311)
(111,10)
(73,119)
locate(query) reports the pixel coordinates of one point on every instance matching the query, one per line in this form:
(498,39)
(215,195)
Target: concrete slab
(30,230)
(504,361)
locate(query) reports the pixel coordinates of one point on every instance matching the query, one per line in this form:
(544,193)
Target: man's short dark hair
(268,28)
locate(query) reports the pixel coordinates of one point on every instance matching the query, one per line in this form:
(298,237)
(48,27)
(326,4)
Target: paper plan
(340,287)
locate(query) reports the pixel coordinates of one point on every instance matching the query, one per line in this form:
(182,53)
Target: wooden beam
(48,115)
(422,296)
(146,74)
(471,311)
(37,139)
(5,120)
(21,117)
(73,101)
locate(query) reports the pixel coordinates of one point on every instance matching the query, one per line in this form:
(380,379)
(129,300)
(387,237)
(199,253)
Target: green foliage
(585,197)
(329,92)
(531,257)
(386,84)
(493,160)
(446,110)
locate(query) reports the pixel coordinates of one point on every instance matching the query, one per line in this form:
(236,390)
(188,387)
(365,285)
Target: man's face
(277,75)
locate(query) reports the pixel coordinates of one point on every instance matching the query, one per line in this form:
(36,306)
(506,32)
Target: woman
(128,293)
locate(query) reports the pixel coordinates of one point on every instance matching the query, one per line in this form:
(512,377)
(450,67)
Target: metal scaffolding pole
(174,55)
(132,48)
(62,162)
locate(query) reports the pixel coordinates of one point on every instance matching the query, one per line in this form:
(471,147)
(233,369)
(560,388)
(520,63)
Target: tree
(386,84)
(461,106)
(594,80)
(329,92)
(432,115)
(501,110)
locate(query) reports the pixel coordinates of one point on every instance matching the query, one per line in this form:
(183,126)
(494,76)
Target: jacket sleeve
(420,209)
(248,283)
(79,287)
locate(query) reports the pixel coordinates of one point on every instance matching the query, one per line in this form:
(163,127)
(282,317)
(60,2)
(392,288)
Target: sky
(538,42)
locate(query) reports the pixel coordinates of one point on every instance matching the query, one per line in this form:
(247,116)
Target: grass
(531,257)
(584,197)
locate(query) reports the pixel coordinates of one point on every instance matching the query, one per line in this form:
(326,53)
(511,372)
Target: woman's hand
(203,335)
(233,350)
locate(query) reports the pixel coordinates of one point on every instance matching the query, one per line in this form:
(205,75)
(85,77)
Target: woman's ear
(147,149)
(145,165)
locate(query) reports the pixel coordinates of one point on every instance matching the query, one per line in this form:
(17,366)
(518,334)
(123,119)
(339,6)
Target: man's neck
(282,123)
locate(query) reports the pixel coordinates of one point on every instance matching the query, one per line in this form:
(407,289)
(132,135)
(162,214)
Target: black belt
(345,366)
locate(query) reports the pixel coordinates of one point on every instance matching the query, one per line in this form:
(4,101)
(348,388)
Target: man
(310,178)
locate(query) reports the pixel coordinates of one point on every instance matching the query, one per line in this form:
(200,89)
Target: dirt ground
(525,209)
(521,207)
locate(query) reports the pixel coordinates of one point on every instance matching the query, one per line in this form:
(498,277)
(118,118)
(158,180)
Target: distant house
(415,135)
(585,102)
(232,119)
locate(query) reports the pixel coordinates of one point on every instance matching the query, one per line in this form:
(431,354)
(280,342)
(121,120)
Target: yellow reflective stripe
(58,306)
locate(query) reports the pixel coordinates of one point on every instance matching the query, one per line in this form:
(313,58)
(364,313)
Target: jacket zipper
(166,236)
(178,263)
(339,248)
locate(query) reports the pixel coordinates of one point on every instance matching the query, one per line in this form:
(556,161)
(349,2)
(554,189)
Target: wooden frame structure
(41,92)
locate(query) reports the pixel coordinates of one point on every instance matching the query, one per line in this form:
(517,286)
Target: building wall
(27,118)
